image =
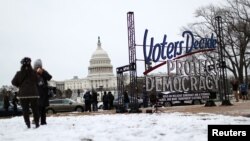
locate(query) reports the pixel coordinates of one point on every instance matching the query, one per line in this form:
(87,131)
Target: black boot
(37,125)
(43,123)
(28,125)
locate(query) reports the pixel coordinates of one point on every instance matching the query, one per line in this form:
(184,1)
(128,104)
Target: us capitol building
(100,75)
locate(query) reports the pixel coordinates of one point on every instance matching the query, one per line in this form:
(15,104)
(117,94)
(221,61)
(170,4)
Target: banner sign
(171,50)
(182,75)
(184,96)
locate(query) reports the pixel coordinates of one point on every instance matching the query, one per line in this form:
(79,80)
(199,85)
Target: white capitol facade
(100,75)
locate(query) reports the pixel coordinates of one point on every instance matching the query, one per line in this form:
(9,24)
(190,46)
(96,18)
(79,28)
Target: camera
(26,61)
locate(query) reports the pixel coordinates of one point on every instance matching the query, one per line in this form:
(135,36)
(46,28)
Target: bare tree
(236,31)
(68,93)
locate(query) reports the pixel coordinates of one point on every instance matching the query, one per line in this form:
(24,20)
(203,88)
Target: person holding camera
(43,78)
(26,81)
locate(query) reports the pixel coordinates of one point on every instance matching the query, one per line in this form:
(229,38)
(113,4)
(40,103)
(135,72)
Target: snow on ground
(117,127)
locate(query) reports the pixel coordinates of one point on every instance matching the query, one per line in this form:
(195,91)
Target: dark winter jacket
(26,81)
(235,86)
(144,93)
(14,100)
(94,97)
(43,88)
(105,98)
(87,97)
(6,102)
(243,87)
(110,97)
(153,98)
(126,98)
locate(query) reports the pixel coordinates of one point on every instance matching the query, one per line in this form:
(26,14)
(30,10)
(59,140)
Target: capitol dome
(100,64)
(100,76)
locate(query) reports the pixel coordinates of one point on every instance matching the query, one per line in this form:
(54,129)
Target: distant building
(100,75)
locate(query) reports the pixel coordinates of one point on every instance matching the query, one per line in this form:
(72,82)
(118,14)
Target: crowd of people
(91,100)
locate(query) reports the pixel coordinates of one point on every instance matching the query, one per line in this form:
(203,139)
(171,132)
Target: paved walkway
(241,108)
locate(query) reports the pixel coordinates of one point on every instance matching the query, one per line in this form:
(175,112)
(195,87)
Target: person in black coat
(145,97)
(235,85)
(6,101)
(15,102)
(26,81)
(126,99)
(43,78)
(110,100)
(153,98)
(87,99)
(94,101)
(105,100)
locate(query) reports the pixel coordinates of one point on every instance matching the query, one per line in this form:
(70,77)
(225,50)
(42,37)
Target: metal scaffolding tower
(223,85)
(132,62)
(134,106)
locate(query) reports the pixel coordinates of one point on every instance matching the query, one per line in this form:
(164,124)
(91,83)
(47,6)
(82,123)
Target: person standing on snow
(43,78)
(94,101)
(105,100)
(14,102)
(145,97)
(87,99)
(126,100)
(6,101)
(243,90)
(235,86)
(26,81)
(110,100)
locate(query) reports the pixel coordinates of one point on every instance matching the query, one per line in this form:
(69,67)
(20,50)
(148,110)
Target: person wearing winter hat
(43,78)
(26,81)
(38,64)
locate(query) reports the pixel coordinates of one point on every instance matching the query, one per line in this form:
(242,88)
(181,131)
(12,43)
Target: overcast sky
(64,33)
